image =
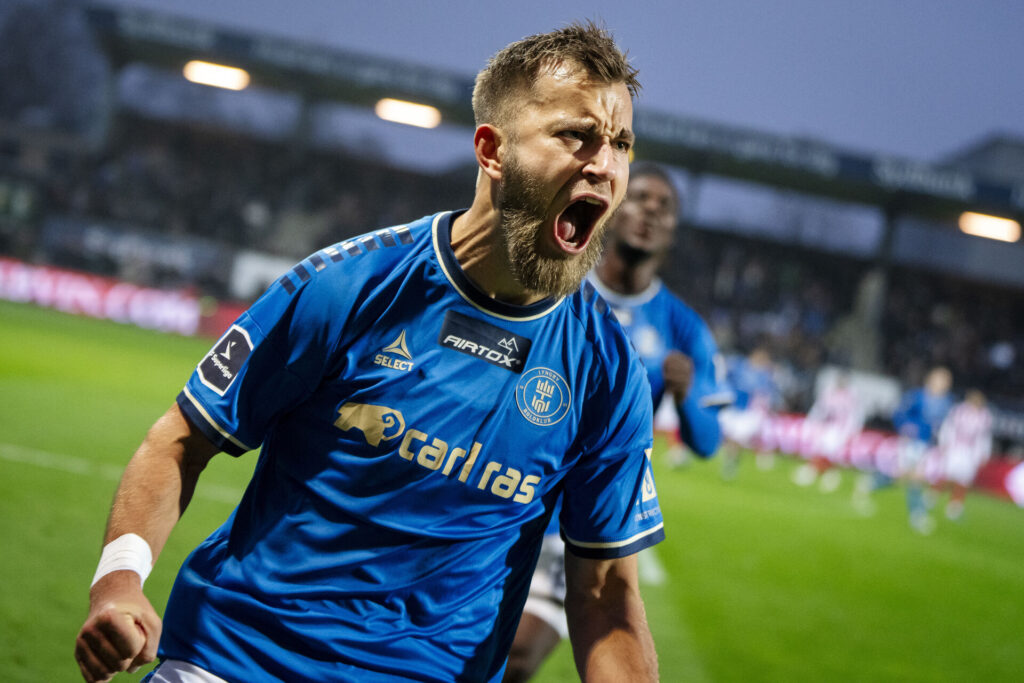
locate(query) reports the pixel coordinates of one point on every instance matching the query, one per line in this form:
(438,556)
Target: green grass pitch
(762,580)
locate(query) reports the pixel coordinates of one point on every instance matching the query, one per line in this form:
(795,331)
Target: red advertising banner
(70,291)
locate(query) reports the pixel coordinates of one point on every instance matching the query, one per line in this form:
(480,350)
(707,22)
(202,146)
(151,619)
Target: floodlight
(409,113)
(217,75)
(989,227)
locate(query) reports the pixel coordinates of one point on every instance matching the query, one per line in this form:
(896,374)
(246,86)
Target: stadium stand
(167,202)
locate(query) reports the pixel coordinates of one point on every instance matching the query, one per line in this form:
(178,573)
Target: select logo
(386,358)
(220,366)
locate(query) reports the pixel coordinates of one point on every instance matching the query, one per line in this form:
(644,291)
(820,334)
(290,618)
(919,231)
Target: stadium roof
(809,166)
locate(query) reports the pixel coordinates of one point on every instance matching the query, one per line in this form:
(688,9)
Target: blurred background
(827,154)
(853,173)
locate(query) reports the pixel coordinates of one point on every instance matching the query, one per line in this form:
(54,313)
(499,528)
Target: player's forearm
(608,630)
(698,427)
(159,481)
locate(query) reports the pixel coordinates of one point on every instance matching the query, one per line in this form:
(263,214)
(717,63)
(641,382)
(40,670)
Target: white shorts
(546,600)
(911,454)
(741,426)
(831,440)
(960,468)
(177,671)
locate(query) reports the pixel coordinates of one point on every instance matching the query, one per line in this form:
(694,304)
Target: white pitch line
(84,467)
(651,570)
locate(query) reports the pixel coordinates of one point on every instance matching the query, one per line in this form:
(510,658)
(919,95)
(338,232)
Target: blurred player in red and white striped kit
(965,443)
(836,417)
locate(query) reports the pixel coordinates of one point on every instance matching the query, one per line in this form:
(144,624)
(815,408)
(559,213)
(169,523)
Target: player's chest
(459,379)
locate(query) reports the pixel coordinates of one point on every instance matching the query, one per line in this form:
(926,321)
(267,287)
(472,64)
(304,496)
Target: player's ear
(488,144)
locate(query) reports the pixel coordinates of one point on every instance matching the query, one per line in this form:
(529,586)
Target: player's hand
(678,372)
(122,630)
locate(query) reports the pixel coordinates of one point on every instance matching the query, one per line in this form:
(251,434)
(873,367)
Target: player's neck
(626,277)
(480,250)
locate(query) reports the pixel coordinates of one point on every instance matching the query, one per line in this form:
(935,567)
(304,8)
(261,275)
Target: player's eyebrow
(589,125)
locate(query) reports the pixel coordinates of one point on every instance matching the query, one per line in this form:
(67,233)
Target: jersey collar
(441,230)
(624,300)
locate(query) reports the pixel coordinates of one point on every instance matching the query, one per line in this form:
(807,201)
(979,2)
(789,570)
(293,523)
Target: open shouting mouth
(575,225)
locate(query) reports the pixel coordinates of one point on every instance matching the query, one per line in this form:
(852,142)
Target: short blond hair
(591,48)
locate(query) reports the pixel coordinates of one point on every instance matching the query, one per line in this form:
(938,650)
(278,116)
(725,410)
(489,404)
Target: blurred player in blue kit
(678,353)
(917,420)
(757,397)
(423,394)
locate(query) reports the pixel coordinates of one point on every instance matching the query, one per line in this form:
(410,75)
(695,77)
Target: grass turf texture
(765,581)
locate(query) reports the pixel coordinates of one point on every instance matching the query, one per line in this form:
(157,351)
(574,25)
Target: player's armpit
(607,623)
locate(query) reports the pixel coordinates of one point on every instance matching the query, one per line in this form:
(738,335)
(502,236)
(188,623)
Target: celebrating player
(678,352)
(965,444)
(423,395)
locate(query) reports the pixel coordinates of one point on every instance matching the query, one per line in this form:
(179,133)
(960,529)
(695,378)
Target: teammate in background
(917,420)
(678,352)
(965,444)
(424,395)
(757,396)
(834,419)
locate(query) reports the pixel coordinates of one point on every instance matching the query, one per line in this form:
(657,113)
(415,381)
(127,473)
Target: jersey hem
(614,550)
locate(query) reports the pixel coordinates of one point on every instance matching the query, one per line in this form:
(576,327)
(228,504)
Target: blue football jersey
(920,414)
(658,322)
(415,437)
(754,387)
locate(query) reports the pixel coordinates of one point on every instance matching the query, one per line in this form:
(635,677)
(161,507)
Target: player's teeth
(592,200)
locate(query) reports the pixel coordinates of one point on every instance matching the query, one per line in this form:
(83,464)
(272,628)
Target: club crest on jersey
(484,341)
(543,396)
(377,423)
(220,366)
(386,358)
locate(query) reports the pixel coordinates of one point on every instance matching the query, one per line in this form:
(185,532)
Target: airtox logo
(386,357)
(484,341)
(543,396)
(377,423)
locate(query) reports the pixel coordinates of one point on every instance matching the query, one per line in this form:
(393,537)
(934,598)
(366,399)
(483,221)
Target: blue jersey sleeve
(610,505)
(907,416)
(698,412)
(270,359)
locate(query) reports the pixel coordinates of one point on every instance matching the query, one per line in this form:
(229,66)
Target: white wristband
(130,552)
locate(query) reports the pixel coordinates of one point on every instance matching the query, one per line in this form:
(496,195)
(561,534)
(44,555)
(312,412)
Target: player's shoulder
(595,317)
(367,255)
(688,329)
(616,376)
(605,338)
(681,311)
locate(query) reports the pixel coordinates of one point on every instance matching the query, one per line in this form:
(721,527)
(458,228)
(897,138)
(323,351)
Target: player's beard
(522,212)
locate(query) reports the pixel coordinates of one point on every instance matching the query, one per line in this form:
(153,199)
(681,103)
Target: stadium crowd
(239,192)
